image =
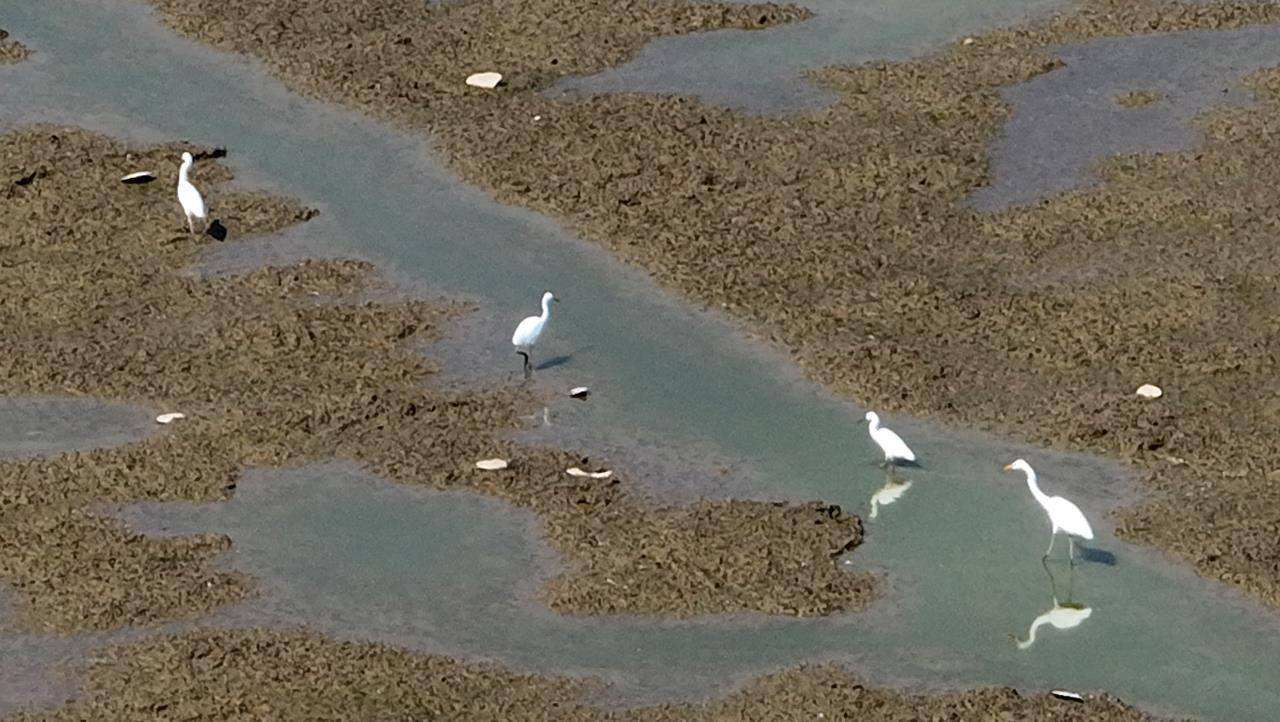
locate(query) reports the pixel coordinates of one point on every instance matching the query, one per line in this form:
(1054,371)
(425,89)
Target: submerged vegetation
(11,51)
(1139,98)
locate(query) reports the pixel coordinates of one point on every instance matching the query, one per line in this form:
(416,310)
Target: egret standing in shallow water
(188,196)
(894,448)
(530,329)
(1063,515)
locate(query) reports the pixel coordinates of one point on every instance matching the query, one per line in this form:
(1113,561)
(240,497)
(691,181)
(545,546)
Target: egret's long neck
(874,424)
(1034,487)
(546,308)
(182,171)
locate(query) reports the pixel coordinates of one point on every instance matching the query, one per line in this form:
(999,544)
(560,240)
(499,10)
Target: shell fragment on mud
(169,418)
(575,471)
(491,464)
(1064,694)
(484,80)
(142,176)
(1149,391)
(579,392)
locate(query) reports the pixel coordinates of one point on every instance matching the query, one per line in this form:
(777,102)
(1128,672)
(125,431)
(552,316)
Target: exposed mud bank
(844,234)
(287,675)
(284,365)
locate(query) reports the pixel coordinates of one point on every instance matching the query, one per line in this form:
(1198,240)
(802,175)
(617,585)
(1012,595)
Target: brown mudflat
(843,232)
(252,674)
(284,365)
(102,308)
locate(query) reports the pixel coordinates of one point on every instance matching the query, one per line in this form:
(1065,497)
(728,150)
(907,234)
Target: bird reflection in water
(1063,615)
(893,488)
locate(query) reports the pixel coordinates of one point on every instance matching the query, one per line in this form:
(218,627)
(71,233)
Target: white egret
(894,448)
(1062,616)
(1063,515)
(530,329)
(188,196)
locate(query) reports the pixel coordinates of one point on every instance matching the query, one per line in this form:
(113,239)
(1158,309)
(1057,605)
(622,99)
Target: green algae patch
(255,674)
(286,365)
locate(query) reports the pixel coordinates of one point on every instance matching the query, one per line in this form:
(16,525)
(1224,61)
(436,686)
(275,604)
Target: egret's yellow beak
(1008,467)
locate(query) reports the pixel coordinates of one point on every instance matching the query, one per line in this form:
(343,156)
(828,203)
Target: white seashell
(967,41)
(537,118)
(1064,694)
(575,471)
(491,464)
(142,176)
(579,392)
(484,80)
(169,418)
(1148,391)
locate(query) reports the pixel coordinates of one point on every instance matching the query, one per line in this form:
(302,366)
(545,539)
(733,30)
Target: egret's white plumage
(530,329)
(894,448)
(188,196)
(1063,515)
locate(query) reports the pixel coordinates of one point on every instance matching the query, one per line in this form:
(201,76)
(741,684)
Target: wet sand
(844,235)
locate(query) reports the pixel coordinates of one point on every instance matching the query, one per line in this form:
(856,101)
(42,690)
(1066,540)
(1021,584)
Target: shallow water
(36,671)
(763,70)
(961,547)
(1066,120)
(30,666)
(45,425)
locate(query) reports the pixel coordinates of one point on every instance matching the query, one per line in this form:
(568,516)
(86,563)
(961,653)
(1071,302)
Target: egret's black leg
(528,367)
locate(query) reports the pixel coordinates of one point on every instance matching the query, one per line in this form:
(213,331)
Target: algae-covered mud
(849,236)
(845,235)
(269,370)
(104,308)
(11,51)
(216,675)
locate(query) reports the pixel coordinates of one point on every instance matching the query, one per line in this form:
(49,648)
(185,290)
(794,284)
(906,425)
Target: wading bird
(894,448)
(530,329)
(1063,515)
(188,196)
